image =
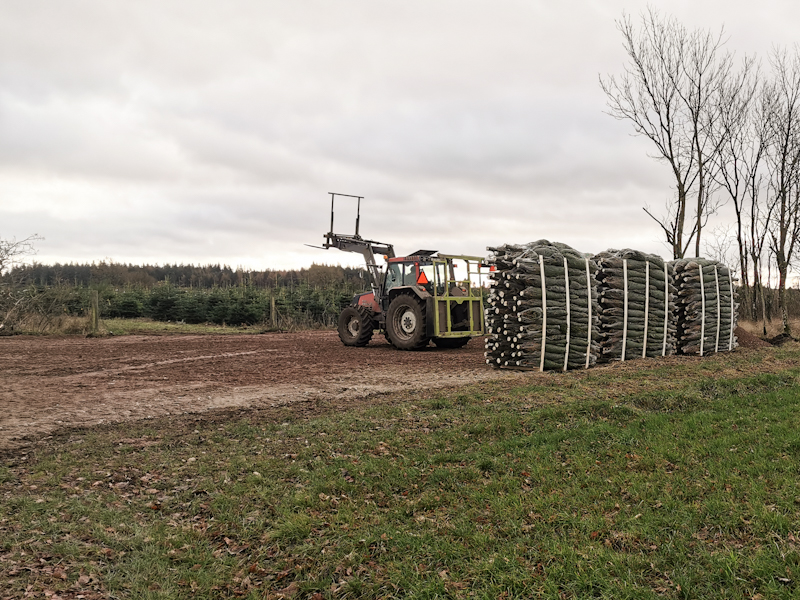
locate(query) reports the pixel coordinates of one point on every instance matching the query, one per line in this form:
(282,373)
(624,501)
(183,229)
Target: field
(287,466)
(47,383)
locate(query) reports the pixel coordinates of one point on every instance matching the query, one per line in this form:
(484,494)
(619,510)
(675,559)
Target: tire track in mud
(168,362)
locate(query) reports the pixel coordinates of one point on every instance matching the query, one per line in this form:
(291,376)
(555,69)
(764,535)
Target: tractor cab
(415,270)
(427,272)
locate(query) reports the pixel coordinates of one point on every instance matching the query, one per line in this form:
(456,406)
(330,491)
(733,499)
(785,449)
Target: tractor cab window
(400,274)
(410,277)
(441,278)
(405,274)
(394,276)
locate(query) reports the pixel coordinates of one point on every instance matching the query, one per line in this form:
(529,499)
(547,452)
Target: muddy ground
(52,383)
(48,383)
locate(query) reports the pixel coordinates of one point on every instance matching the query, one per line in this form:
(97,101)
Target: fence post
(272,314)
(94,313)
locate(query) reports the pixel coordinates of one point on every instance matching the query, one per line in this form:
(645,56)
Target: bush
(126,305)
(163,303)
(193,307)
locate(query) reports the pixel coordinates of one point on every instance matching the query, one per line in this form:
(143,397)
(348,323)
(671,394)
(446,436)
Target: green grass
(676,481)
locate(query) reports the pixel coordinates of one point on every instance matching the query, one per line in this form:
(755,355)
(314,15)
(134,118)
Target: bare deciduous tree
(759,209)
(784,162)
(743,137)
(707,74)
(720,244)
(668,92)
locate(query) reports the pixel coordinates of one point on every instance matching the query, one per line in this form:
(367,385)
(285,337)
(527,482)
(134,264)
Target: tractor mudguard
(405,289)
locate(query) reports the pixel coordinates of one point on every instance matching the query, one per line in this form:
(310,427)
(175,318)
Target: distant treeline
(188,276)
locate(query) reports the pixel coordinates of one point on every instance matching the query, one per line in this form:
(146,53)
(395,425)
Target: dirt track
(49,383)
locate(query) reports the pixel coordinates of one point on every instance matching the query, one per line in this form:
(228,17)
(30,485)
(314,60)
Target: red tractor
(418,298)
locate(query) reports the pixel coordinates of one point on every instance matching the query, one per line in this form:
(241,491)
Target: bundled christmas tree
(637,302)
(542,311)
(705,306)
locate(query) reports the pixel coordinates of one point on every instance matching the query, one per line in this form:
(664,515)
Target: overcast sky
(211,132)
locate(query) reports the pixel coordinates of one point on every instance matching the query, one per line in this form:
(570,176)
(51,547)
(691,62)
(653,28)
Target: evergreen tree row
(301,305)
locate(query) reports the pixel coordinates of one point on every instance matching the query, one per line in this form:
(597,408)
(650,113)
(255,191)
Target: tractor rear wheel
(451,342)
(406,323)
(356,326)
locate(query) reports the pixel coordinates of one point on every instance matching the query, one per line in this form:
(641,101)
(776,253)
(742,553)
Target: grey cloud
(167,131)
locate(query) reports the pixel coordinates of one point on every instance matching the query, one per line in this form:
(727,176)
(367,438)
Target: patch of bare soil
(49,383)
(781,339)
(748,340)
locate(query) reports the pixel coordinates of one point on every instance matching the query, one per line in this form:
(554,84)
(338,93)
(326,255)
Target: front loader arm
(367,248)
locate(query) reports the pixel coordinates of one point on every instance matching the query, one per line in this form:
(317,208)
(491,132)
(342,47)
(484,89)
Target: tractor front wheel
(406,324)
(355,326)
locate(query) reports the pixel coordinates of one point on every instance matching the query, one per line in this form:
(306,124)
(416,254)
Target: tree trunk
(783,268)
(680,219)
(700,192)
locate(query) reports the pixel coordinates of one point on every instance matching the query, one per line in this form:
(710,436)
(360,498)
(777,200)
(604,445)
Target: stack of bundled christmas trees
(542,312)
(637,316)
(705,306)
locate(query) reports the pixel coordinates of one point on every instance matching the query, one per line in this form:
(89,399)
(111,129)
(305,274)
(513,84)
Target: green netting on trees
(706,306)
(542,310)
(637,301)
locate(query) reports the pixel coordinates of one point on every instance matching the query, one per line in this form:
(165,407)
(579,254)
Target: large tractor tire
(406,323)
(355,326)
(451,342)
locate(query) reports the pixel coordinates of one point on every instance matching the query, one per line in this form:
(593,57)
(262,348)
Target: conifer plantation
(311,297)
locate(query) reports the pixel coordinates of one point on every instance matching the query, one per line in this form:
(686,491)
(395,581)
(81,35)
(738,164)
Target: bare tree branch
(12,252)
